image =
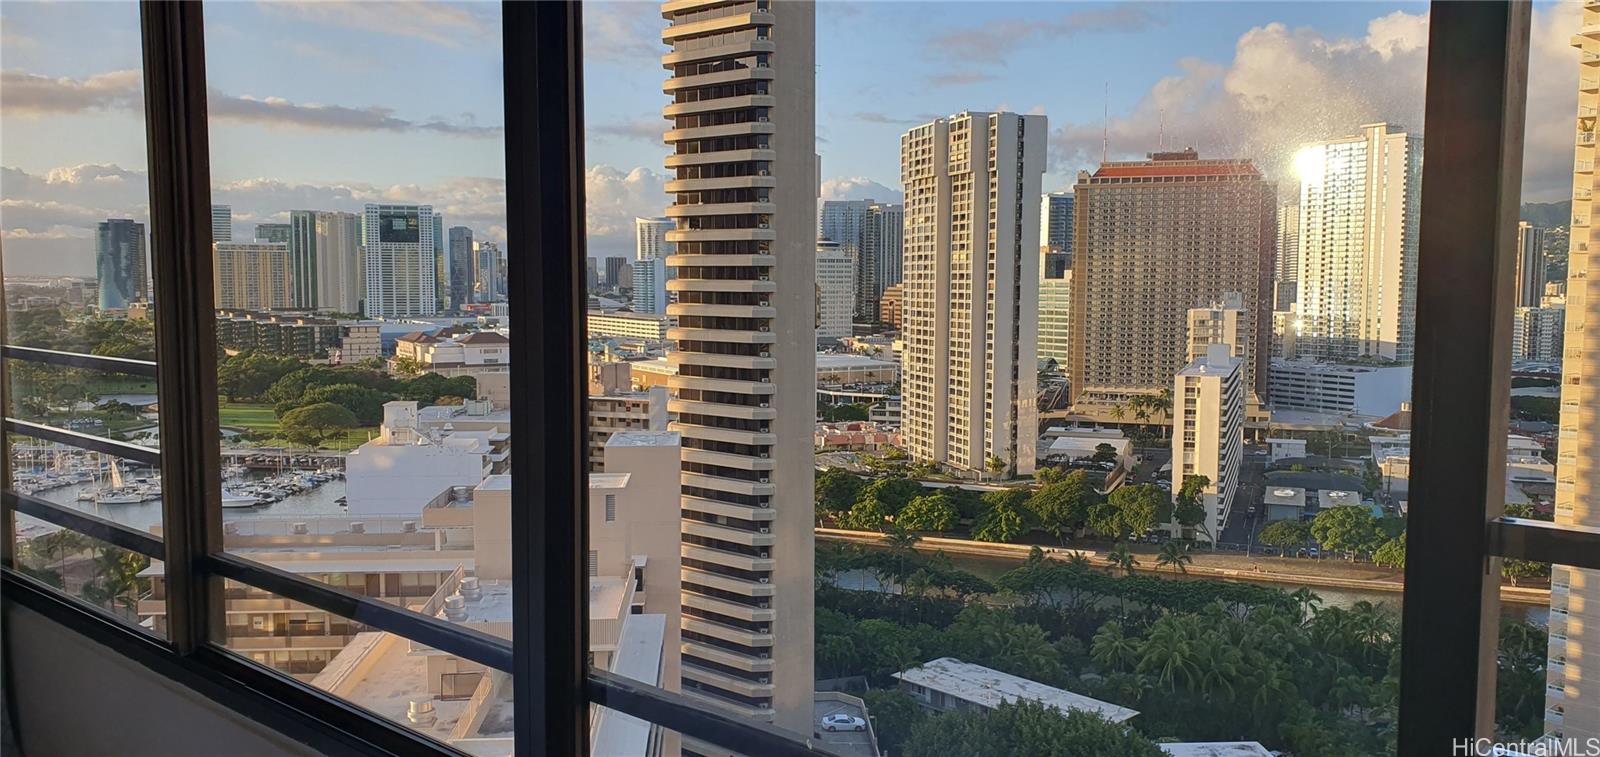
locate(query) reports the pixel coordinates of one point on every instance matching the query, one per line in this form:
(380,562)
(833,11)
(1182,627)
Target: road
(1242,525)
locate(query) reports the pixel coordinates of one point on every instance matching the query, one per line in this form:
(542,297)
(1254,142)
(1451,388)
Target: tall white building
(1286,265)
(742,132)
(1572,698)
(1359,202)
(251,275)
(836,291)
(325,261)
(1530,265)
(222,223)
(486,271)
(397,242)
(1537,333)
(650,286)
(1055,318)
(883,238)
(1208,401)
(1055,221)
(870,233)
(971,289)
(650,238)
(1222,321)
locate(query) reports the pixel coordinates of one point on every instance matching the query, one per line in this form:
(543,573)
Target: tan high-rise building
(251,275)
(1153,239)
(971,289)
(1359,208)
(1573,690)
(744,185)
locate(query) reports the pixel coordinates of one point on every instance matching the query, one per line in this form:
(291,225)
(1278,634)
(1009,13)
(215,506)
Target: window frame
(1477,70)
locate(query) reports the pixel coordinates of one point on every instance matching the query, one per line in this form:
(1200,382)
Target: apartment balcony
(670,9)
(1585,137)
(738,636)
(712,105)
(738,708)
(722,235)
(726,657)
(720,182)
(705,209)
(749,73)
(265,643)
(729,49)
(730,435)
(730,485)
(728,460)
(719,409)
(680,29)
(731,386)
(728,509)
(731,260)
(751,613)
(725,311)
(720,130)
(730,559)
(1588,84)
(1592,31)
(760,537)
(727,682)
(719,156)
(721,285)
(731,336)
(735,584)
(751,362)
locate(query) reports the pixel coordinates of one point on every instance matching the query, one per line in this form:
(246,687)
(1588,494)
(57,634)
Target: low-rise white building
(1208,401)
(948,684)
(1358,390)
(1285,449)
(623,323)
(401,470)
(1284,502)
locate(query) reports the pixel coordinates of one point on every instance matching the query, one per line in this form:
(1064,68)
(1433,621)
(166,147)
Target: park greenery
(305,398)
(1200,660)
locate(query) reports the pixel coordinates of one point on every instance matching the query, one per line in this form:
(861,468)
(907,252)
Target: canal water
(143,515)
(990,568)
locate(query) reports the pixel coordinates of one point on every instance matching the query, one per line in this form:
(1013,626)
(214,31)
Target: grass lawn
(260,420)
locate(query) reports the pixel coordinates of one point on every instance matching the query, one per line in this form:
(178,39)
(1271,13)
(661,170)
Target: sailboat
(119,493)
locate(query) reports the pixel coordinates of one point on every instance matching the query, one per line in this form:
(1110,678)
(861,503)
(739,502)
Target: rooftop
(608,480)
(1216,749)
(645,439)
(1284,495)
(989,688)
(827,360)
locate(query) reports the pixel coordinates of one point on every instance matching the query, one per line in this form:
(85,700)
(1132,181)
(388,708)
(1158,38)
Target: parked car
(842,722)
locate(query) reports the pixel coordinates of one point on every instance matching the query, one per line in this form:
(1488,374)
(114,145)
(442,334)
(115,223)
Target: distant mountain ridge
(1547,215)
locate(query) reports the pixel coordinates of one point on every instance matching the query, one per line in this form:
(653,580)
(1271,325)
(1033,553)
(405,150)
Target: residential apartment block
(971,288)
(1208,404)
(251,275)
(401,272)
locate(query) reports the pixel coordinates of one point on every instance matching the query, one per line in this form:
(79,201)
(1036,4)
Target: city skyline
(453,162)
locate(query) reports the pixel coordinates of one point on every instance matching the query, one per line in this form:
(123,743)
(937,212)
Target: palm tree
(1112,649)
(1174,556)
(1077,560)
(1117,412)
(1122,557)
(1168,654)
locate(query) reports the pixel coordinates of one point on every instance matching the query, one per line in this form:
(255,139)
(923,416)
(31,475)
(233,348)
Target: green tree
(1063,505)
(1120,557)
(1188,508)
(1175,557)
(1130,510)
(365,404)
(895,716)
(841,413)
(1027,728)
(1516,571)
(893,491)
(1104,453)
(1286,534)
(1006,517)
(248,375)
(1392,554)
(836,491)
(1112,649)
(929,512)
(868,514)
(995,465)
(1348,528)
(313,424)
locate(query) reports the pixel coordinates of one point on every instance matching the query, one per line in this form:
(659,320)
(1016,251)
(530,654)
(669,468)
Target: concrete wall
(76,697)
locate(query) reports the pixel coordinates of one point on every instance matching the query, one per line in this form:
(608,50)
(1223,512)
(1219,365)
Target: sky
(329,105)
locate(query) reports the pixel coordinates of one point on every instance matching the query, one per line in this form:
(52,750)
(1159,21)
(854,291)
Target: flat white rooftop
(1216,749)
(838,360)
(608,480)
(645,439)
(1284,495)
(989,688)
(638,656)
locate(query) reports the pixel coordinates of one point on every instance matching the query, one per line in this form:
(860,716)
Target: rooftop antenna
(1105,121)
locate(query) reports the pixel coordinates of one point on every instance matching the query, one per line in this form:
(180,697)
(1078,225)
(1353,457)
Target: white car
(843,722)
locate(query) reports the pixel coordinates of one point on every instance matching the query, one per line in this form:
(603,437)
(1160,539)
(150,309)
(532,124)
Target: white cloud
(30,94)
(446,24)
(615,198)
(1284,87)
(858,188)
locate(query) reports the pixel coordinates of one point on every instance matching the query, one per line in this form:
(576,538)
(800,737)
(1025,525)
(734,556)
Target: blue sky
(330,105)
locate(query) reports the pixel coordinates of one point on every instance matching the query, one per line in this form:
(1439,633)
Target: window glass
(74,222)
(360,255)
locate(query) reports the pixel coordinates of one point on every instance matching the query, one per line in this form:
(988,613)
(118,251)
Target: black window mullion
(186,358)
(546,289)
(1471,184)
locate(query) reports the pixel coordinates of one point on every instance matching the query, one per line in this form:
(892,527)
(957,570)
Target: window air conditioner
(763,679)
(766,655)
(766,226)
(766,303)
(766,278)
(764,379)
(763,605)
(766,629)
(765,405)
(765,480)
(762,119)
(764,455)
(763,579)
(764,353)
(765,530)
(764,172)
